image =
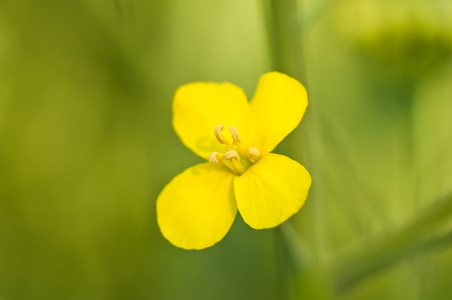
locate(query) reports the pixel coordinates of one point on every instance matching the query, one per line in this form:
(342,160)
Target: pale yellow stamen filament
(232,159)
(219,136)
(235,158)
(232,154)
(253,154)
(213,158)
(235,135)
(217,157)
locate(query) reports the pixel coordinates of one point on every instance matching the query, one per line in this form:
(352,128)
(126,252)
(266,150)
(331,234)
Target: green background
(86,145)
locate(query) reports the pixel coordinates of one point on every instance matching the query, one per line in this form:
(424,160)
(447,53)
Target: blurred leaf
(415,237)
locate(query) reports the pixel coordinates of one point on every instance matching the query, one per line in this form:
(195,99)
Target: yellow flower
(197,208)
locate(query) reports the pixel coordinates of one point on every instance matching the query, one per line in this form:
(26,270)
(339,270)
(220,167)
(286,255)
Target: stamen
(232,154)
(253,154)
(231,159)
(234,157)
(218,135)
(216,157)
(235,135)
(213,158)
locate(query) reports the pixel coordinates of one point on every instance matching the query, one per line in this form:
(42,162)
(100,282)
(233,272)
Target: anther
(213,158)
(234,157)
(232,154)
(218,135)
(232,164)
(235,135)
(253,154)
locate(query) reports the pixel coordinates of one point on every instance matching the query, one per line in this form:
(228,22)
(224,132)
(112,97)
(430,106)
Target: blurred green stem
(287,259)
(284,34)
(285,42)
(284,28)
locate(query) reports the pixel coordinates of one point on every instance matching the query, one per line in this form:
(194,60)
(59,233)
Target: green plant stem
(285,43)
(284,35)
(284,28)
(287,262)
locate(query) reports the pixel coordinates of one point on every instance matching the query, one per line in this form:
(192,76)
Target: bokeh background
(86,145)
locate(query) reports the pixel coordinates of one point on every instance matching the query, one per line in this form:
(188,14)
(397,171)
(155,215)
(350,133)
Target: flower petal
(197,208)
(199,107)
(271,190)
(277,108)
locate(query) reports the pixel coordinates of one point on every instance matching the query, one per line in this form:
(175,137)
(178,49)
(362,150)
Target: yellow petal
(277,107)
(199,107)
(197,208)
(271,191)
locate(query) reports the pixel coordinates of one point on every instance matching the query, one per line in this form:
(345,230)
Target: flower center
(236,158)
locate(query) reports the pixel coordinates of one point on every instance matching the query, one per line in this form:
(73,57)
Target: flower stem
(290,255)
(284,265)
(285,43)
(284,28)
